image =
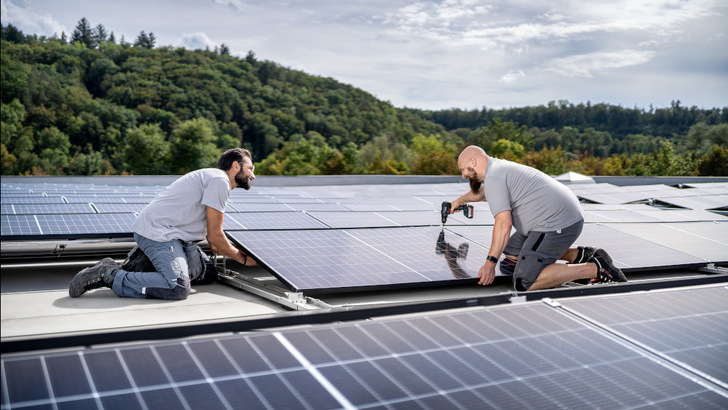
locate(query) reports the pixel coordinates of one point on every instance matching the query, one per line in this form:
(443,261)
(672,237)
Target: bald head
(472,151)
(472,162)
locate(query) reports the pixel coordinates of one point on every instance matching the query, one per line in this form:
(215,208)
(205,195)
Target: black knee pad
(507,266)
(138,261)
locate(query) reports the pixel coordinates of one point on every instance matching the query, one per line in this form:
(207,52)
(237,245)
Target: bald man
(547,218)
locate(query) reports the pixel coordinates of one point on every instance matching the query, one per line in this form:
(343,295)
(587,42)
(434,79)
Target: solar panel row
(517,356)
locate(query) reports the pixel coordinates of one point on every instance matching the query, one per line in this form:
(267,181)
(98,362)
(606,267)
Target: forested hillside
(89,105)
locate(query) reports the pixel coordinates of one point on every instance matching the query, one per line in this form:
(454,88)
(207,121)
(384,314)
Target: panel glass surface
(271,221)
(527,356)
(119,208)
(362,258)
(706,241)
(688,325)
(632,252)
(32,209)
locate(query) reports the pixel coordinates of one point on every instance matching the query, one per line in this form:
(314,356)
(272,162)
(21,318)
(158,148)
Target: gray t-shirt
(180,210)
(537,201)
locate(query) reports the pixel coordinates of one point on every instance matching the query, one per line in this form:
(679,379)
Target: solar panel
(31,209)
(688,325)
(632,252)
(19,225)
(698,202)
(517,356)
(705,241)
(327,260)
(311,207)
(352,219)
(251,207)
(617,216)
(270,221)
(108,199)
(67,226)
(682,215)
(107,208)
(33,200)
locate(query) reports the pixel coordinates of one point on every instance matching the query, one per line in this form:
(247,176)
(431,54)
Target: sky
(465,54)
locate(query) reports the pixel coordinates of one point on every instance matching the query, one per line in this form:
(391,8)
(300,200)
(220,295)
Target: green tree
(497,129)
(434,157)
(145,150)
(84,34)
(55,148)
(145,40)
(668,163)
(193,146)
(506,149)
(715,163)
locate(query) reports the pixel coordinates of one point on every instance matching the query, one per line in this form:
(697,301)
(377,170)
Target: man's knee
(179,290)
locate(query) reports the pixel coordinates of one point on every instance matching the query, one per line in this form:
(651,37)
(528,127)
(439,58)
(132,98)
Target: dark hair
(231,156)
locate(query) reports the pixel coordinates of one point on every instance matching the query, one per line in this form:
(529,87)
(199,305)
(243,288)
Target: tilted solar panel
(327,260)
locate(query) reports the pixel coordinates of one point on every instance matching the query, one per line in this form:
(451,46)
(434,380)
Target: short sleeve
(216,194)
(496,193)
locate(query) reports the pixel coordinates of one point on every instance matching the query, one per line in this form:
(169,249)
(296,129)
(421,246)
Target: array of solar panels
(662,349)
(360,237)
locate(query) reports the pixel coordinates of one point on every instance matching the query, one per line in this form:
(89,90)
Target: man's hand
(486,274)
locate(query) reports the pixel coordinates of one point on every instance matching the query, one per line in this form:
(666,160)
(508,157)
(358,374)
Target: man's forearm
(471,196)
(220,245)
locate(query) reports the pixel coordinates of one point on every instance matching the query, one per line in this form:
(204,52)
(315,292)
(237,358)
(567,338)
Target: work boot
(584,254)
(98,276)
(606,271)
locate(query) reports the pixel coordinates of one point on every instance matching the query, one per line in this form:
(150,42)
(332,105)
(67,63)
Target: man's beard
(242,181)
(475,185)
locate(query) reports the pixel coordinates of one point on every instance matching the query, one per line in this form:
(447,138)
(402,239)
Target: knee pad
(507,266)
(138,261)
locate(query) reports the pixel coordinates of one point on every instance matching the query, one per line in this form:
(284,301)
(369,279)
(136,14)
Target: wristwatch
(492,259)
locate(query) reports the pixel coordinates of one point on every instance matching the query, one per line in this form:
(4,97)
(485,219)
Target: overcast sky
(445,54)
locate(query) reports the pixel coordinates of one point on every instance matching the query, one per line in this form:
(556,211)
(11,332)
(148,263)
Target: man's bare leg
(559,273)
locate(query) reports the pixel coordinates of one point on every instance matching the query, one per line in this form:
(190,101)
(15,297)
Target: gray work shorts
(537,250)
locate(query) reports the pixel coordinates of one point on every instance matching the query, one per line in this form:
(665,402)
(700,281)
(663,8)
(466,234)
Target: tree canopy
(89,105)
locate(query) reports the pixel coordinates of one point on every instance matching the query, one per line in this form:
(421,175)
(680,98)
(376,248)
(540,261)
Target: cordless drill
(447,207)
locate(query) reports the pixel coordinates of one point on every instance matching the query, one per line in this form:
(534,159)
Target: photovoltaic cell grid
(362,258)
(32,209)
(66,226)
(235,221)
(527,356)
(689,326)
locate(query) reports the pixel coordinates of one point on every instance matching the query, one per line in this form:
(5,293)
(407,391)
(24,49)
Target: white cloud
(586,65)
(198,40)
(22,15)
(512,76)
